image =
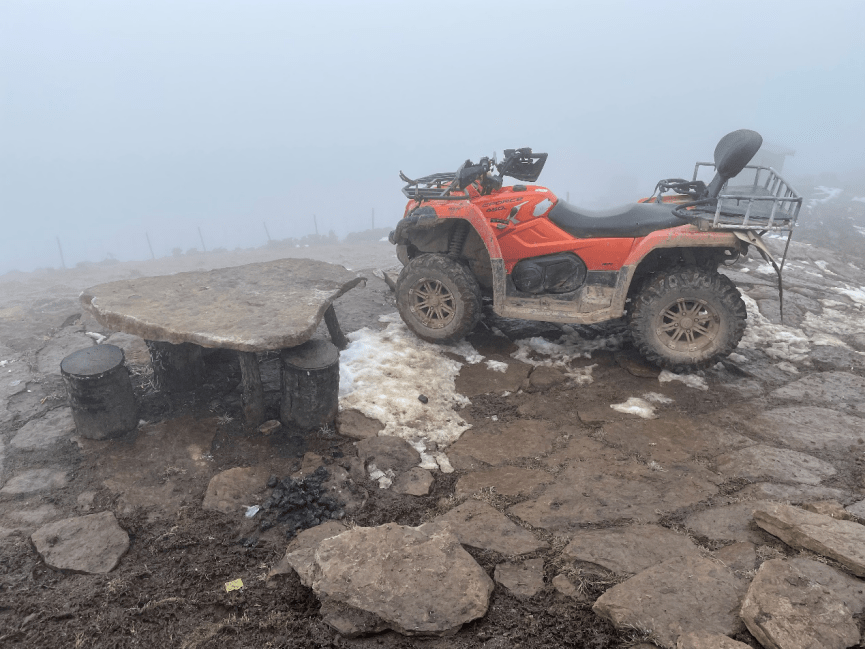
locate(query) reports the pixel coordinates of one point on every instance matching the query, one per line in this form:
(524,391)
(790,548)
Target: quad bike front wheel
(687,318)
(438,298)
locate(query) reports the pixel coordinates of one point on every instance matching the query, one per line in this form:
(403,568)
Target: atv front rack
(768,204)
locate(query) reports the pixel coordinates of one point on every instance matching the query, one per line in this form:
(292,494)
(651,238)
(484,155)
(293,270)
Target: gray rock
(255,307)
(603,489)
(629,550)
(544,378)
(477,448)
(34,481)
(134,348)
(300,553)
(92,544)
(828,507)
(349,621)
(388,453)
(269,427)
(673,598)
(64,343)
(414,482)
(837,388)
(233,490)
(738,557)
(523,579)
(728,523)
(826,358)
(809,428)
(775,463)
(850,589)
(565,586)
(353,423)
(480,526)
(44,431)
(699,640)
(785,609)
(417,580)
(504,481)
(790,493)
(857,509)
(843,541)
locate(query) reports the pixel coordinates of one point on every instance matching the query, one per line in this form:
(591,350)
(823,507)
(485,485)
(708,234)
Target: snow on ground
(636,406)
(826,194)
(691,380)
(496,366)
(569,347)
(382,373)
(777,341)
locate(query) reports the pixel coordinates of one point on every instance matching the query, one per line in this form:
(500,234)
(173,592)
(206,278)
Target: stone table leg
(253,390)
(333,329)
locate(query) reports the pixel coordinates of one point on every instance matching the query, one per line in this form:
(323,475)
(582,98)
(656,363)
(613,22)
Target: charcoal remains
(300,504)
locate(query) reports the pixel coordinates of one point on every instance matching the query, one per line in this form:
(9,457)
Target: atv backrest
(733,152)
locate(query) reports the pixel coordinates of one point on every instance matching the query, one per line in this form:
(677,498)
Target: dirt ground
(169,590)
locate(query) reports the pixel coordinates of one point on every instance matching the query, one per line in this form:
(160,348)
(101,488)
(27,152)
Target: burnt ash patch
(300,504)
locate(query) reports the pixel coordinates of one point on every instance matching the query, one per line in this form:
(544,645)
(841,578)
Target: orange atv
(465,235)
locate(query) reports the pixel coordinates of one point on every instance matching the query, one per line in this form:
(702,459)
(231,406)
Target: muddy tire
(438,298)
(687,318)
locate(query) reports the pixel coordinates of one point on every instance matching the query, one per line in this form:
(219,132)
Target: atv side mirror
(732,154)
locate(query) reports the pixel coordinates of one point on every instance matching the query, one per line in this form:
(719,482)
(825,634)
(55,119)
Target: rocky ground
(553,490)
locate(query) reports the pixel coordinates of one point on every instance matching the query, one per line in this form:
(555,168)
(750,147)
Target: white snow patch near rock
(382,373)
(569,347)
(636,406)
(582,375)
(497,366)
(776,341)
(691,380)
(655,397)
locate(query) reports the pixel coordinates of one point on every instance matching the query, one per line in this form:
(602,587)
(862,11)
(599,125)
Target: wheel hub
(688,325)
(433,303)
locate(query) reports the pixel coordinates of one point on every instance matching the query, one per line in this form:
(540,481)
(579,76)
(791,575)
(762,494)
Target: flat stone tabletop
(250,308)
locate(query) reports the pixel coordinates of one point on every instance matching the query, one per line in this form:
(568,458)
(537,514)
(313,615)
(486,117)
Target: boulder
(353,423)
(786,609)
(829,508)
(776,463)
(523,579)
(674,598)
(91,544)
(414,482)
(235,489)
(843,541)
(629,550)
(478,525)
(416,580)
(300,553)
(388,453)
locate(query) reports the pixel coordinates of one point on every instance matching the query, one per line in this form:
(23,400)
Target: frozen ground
(561,429)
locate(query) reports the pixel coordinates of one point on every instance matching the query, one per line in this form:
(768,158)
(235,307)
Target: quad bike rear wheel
(687,318)
(438,298)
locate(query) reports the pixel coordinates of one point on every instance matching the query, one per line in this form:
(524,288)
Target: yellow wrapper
(237,584)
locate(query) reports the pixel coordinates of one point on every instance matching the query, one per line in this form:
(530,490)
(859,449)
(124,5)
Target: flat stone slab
(300,553)
(34,481)
(234,490)
(836,388)
(600,489)
(738,557)
(45,431)
(505,481)
(790,493)
(479,525)
(762,461)
(416,580)
(786,609)
(414,482)
(843,541)
(479,378)
(387,453)
(629,550)
(92,544)
(250,308)
(494,445)
(64,343)
(353,423)
(674,598)
(809,428)
(700,640)
(524,578)
(728,523)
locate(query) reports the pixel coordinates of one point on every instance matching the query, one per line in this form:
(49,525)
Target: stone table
(251,308)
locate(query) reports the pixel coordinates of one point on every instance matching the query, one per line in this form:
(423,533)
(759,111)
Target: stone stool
(100,392)
(310,384)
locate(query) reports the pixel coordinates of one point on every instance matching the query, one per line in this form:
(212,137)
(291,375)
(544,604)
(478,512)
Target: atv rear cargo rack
(768,204)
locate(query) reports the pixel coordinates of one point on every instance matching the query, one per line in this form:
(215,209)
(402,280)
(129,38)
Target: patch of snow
(828,193)
(787,367)
(382,372)
(834,321)
(582,375)
(822,265)
(765,269)
(497,366)
(252,511)
(738,358)
(4,363)
(384,478)
(855,294)
(506,393)
(691,380)
(427,461)
(464,348)
(654,466)
(656,397)
(385,239)
(636,406)
(568,347)
(444,463)
(776,341)
(95,336)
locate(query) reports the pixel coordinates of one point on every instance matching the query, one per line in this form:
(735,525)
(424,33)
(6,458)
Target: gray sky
(120,118)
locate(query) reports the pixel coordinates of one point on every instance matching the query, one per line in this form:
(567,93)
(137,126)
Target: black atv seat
(634,220)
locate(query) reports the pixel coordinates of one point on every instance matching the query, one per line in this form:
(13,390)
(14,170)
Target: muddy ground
(169,590)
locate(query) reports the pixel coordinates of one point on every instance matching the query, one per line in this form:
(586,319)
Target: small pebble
(423,398)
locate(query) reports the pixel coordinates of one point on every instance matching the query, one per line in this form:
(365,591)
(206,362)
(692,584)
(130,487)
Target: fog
(121,119)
